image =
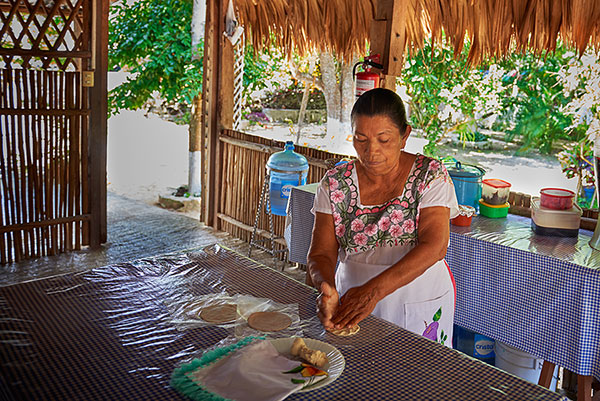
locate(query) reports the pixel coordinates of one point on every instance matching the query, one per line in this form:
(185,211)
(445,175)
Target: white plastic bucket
(521,364)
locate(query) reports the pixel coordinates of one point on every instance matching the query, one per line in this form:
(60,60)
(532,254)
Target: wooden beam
(259,147)
(98,104)
(546,374)
(217,105)
(210,80)
(44,53)
(43,112)
(44,223)
(397,38)
(246,227)
(388,38)
(225,107)
(584,388)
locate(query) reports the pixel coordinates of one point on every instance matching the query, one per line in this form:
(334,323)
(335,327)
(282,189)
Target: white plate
(334,368)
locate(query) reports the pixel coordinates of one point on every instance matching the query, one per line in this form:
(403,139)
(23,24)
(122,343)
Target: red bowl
(461,220)
(556,198)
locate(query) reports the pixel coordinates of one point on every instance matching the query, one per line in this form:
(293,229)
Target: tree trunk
(194,130)
(338,88)
(303,105)
(195,149)
(198,22)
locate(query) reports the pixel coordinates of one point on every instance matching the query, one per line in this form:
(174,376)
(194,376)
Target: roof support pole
(388,38)
(98,124)
(217,106)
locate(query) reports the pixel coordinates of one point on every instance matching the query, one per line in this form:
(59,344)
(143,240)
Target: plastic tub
(493,211)
(556,198)
(495,191)
(465,215)
(522,364)
(556,223)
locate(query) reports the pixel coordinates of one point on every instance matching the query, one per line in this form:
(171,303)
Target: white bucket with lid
(522,364)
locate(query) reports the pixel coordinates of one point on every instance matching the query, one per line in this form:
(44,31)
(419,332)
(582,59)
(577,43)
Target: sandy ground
(148,156)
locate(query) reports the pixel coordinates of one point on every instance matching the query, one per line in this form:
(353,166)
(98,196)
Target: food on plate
(219,314)
(269,321)
(346,331)
(312,356)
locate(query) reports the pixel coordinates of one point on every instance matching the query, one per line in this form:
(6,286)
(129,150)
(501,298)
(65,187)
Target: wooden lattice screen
(44,115)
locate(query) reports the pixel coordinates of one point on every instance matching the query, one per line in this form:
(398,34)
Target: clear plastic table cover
(109,333)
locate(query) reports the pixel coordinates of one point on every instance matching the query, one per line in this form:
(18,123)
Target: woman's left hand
(356,304)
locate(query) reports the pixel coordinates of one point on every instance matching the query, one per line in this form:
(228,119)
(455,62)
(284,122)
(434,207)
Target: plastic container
(556,223)
(467,183)
(476,345)
(493,211)
(495,191)
(521,364)
(556,198)
(465,215)
(286,169)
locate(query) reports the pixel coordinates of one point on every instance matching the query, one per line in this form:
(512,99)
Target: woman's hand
(356,304)
(327,304)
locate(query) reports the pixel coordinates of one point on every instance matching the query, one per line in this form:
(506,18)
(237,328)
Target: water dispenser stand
(266,244)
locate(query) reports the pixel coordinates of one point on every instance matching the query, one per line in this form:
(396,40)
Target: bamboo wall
(44,128)
(43,208)
(243,160)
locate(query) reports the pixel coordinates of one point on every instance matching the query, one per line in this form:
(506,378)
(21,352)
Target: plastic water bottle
(475,345)
(286,169)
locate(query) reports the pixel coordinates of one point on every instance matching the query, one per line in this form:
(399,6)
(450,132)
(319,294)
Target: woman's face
(378,142)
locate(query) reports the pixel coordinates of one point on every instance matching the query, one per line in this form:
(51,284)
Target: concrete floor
(136,230)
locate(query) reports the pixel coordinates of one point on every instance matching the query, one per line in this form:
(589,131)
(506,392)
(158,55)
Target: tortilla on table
(346,331)
(219,314)
(269,321)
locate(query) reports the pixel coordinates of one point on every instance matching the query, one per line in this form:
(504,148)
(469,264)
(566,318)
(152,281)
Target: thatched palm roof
(494,27)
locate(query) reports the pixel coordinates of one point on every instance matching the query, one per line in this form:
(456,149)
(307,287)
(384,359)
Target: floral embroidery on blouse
(361,228)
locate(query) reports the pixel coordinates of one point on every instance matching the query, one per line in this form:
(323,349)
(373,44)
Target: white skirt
(424,306)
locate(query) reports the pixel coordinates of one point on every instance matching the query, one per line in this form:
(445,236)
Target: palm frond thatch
(494,27)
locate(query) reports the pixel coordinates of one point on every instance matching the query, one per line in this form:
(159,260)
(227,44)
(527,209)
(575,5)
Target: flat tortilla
(346,331)
(219,314)
(269,321)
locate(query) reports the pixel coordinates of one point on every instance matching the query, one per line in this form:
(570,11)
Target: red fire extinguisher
(367,79)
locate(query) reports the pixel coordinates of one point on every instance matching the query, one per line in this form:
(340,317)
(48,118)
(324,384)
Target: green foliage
(540,118)
(428,72)
(152,40)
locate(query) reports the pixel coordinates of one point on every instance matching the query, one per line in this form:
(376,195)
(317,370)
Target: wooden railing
(243,160)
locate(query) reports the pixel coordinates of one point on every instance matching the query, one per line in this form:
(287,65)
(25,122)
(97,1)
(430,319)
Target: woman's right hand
(327,303)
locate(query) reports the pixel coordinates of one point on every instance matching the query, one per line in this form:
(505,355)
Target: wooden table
(109,334)
(538,294)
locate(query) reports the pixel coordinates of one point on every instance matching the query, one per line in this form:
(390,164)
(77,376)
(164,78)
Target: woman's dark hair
(381,102)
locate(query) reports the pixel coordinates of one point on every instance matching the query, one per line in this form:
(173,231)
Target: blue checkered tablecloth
(547,305)
(107,334)
(538,294)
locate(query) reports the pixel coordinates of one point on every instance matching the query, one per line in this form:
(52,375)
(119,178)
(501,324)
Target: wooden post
(546,374)
(217,105)
(98,101)
(388,38)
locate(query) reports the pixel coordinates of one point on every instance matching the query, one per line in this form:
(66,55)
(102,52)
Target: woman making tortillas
(385,216)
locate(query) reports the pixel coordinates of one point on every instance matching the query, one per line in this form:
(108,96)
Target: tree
(151,39)
(338,88)
(154,40)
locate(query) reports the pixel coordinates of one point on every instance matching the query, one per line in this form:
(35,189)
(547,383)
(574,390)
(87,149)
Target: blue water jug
(286,169)
(467,181)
